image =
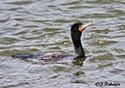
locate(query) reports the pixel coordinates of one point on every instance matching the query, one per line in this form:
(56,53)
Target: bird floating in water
(76,31)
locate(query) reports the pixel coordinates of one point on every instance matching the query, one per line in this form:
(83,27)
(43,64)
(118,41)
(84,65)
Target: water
(41,26)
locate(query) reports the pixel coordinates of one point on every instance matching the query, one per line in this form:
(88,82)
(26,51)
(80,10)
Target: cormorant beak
(84,26)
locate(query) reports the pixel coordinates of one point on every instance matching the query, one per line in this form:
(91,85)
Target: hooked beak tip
(86,25)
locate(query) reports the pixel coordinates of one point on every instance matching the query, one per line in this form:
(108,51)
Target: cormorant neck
(79,51)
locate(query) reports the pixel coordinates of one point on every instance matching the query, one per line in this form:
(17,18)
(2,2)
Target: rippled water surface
(41,26)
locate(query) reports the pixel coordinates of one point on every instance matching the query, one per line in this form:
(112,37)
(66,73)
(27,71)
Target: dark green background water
(41,26)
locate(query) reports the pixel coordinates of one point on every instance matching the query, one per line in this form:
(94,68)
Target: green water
(42,26)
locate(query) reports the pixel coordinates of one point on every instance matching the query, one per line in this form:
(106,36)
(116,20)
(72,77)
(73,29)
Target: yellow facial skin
(81,28)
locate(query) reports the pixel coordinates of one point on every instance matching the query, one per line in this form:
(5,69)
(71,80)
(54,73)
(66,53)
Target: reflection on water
(37,26)
(78,62)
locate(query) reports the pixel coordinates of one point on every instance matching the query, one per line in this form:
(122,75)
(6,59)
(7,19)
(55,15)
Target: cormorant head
(77,28)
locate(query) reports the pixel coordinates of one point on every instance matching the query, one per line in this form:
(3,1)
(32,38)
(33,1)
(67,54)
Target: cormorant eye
(80,26)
